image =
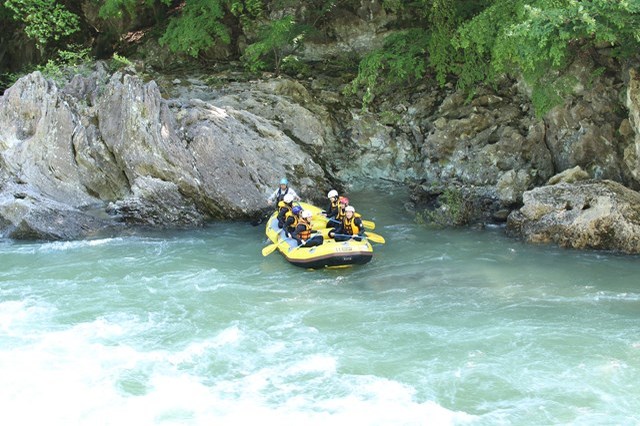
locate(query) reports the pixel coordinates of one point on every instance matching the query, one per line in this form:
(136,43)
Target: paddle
(271,248)
(368,235)
(366,223)
(350,236)
(375,237)
(302,245)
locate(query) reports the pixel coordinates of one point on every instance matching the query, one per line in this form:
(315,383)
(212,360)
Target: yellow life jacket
(295,219)
(349,226)
(282,204)
(340,214)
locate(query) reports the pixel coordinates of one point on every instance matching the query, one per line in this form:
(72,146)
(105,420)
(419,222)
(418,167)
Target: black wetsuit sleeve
(339,229)
(332,211)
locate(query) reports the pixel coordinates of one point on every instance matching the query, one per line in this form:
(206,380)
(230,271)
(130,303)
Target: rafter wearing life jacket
(291,220)
(334,204)
(304,230)
(350,227)
(343,202)
(284,208)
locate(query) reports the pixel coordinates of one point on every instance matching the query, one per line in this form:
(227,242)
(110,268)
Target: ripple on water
(194,327)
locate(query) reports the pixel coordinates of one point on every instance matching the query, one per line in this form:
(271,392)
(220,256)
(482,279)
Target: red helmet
(344,200)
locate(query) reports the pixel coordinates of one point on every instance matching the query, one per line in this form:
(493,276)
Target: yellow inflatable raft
(330,254)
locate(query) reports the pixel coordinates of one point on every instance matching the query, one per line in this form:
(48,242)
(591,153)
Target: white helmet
(306,214)
(288,198)
(349,209)
(332,193)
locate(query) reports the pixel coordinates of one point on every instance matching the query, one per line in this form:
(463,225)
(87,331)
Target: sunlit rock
(601,215)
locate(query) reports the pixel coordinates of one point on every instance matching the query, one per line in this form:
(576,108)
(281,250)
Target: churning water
(197,328)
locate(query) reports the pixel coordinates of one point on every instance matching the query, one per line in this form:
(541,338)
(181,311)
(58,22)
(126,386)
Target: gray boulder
(26,215)
(601,215)
(112,143)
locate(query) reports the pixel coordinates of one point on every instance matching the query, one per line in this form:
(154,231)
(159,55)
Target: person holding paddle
(291,220)
(343,202)
(350,227)
(332,211)
(303,231)
(285,208)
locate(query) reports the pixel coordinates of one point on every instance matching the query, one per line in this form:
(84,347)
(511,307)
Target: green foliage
(197,28)
(201,23)
(7,80)
(408,10)
(390,118)
(452,210)
(402,60)
(117,8)
(118,62)
(66,64)
(277,40)
(292,65)
(443,20)
(246,10)
(44,20)
(536,38)
(476,42)
(246,7)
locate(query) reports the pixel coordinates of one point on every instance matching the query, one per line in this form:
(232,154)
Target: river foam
(87,374)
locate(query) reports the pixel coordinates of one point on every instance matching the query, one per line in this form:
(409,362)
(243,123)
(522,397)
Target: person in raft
(343,202)
(291,220)
(350,227)
(285,208)
(332,210)
(283,189)
(303,231)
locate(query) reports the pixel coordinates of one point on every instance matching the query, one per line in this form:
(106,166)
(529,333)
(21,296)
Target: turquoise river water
(443,327)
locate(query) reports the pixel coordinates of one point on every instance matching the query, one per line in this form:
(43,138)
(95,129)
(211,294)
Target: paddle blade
(269,249)
(375,237)
(368,224)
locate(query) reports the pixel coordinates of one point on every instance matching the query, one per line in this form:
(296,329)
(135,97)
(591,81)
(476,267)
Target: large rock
(631,127)
(490,149)
(493,148)
(600,215)
(25,214)
(113,141)
(357,29)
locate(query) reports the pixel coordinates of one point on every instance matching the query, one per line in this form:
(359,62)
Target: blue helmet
(296,209)
(284,181)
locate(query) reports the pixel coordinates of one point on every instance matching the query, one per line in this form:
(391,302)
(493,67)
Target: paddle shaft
(366,223)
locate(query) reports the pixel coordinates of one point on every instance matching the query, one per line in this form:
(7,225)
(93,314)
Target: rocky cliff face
(107,149)
(112,143)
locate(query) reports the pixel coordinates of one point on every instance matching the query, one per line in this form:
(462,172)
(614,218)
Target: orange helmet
(344,200)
